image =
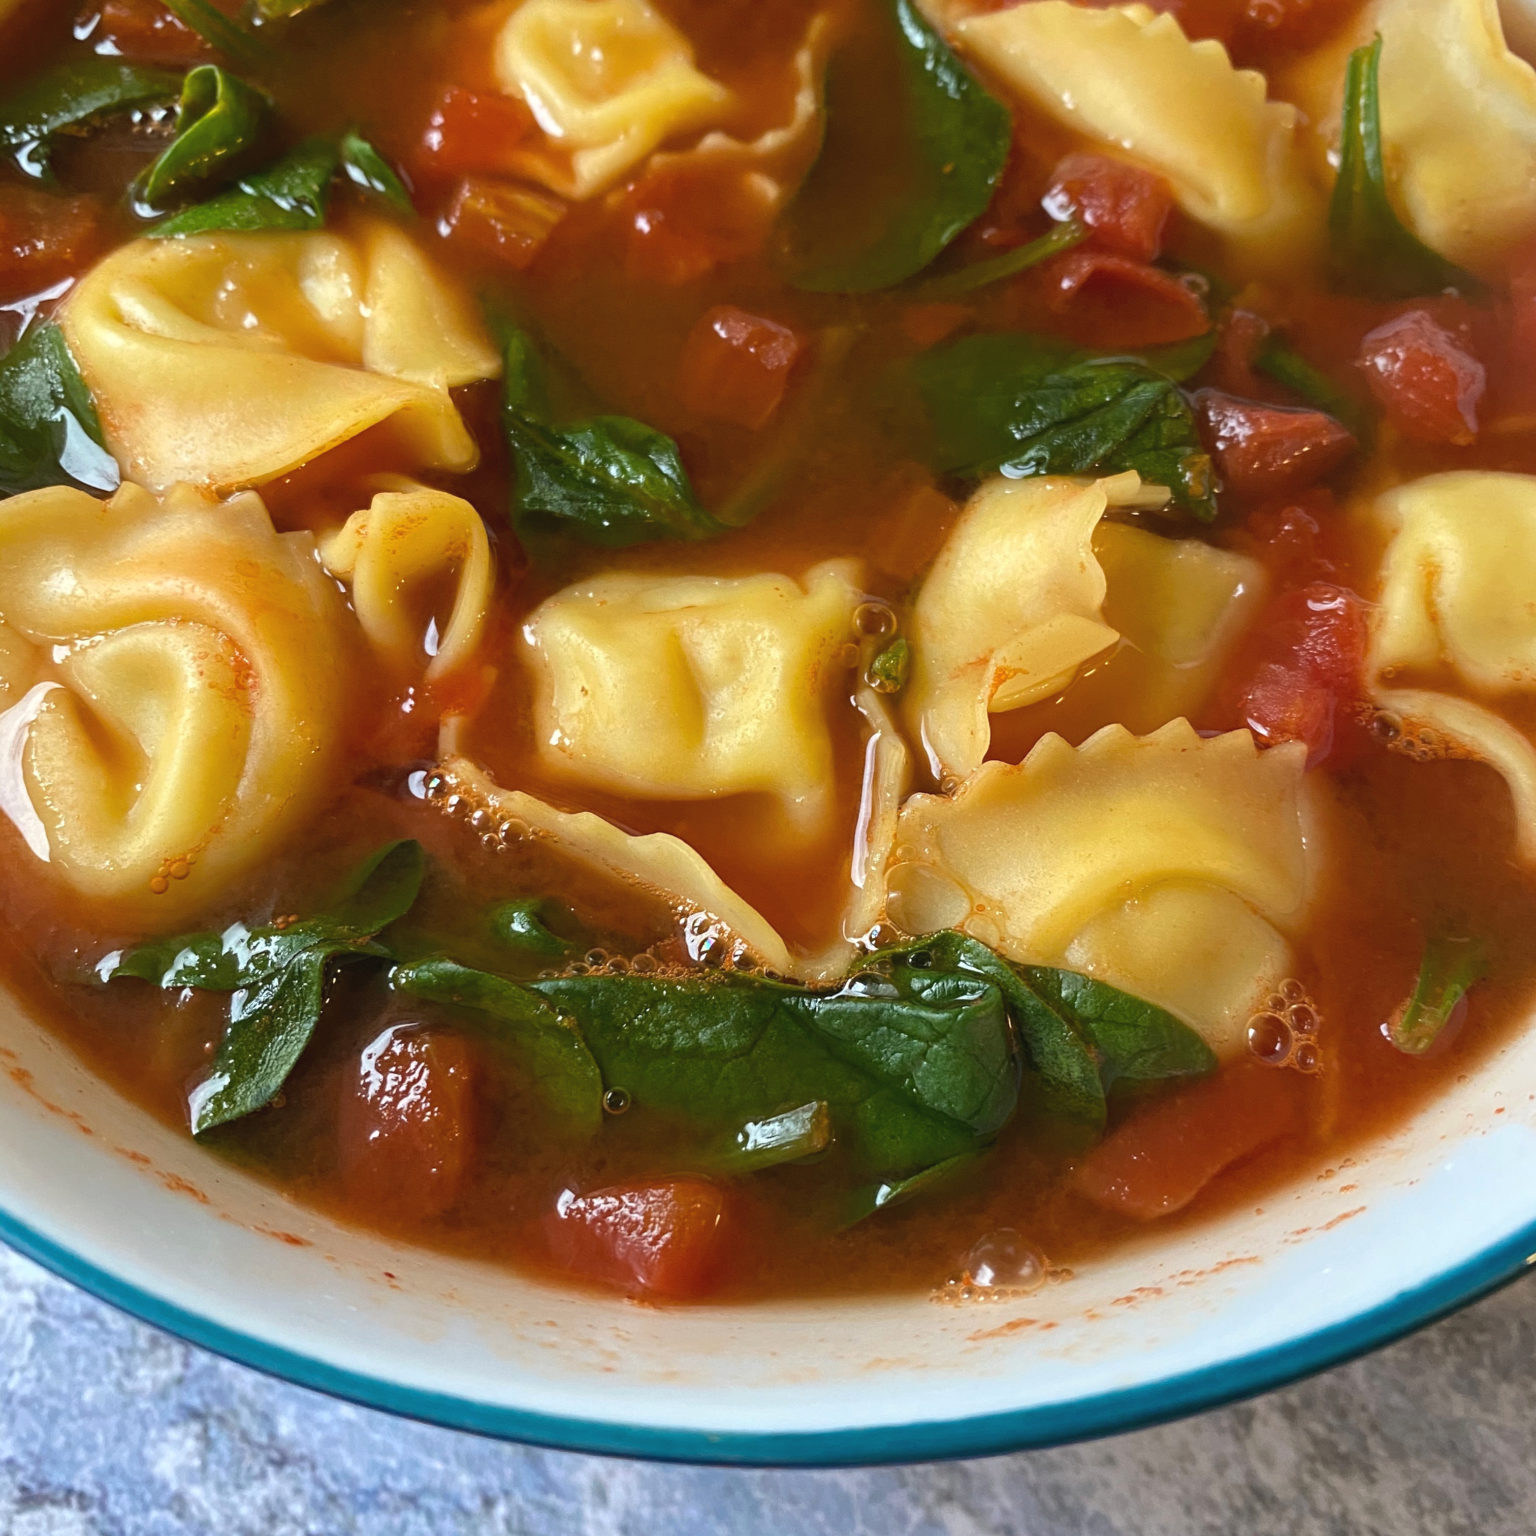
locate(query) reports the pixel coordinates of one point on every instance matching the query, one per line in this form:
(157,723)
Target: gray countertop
(107,1426)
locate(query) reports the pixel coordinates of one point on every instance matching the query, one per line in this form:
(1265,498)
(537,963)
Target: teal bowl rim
(1088,1418)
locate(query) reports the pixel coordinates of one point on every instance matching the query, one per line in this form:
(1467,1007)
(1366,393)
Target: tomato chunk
(1168,1151)
(736,366)
(472,133)
(501,219)
(1123,207)
(1111,302)
(685,220)
(143,30)
(1425,377)
(1303,670)
(1287,536)
(408,1122)
(1270,450)
(664,1238)
(44,238)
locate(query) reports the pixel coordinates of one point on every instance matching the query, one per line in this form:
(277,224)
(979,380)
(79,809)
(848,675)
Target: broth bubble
(1269,1038)
(1002,1260)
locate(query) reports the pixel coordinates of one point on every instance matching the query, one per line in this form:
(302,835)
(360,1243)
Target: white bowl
(1419,1223)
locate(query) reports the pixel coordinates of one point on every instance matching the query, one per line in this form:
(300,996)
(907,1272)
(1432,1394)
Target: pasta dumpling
(607,81)
(229,360)
(1031,584)
(1456,617)
(409,540)
(172,717)
(693,687)
(1170,865)
(1131,79)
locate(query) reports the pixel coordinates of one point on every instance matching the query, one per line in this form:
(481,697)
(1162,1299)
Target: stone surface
(109,1428)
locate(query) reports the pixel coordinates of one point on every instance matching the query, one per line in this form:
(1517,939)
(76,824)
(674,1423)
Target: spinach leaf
(1288,367)
(366,168)
(610,480)
(784,1138)
(889,670)
(1028,405)
(1450,969)
(213,26)
(70,98)
(277,977)
(284,8)
(559,1064)
(50,433)
(220,118)
(1179,360)
(520,925)
(981,274)
(889,1192)
(1372,251)
(292,194)
(891,189)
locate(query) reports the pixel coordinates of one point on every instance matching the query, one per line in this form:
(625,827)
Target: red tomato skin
(736,366)
(684,222)
(45,237)
(662,1239)
(1287,536)
(501,219)
(144,31)
(1269,450)
(408,1125)
(1123,207)
(1111,303)
(1425,378)
(1167,1151)
(472,133)
(1303,671)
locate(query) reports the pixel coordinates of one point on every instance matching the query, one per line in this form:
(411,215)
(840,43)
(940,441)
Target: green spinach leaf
(790,1137)
(69,99)
(1372,251)
(366,168)
(277,977)
(520,925)
(1027,405)
(982,274)
(1450,969)
(1288,367)
(891,189)
(559,1064)
(213,26)
(219,120)
(50,433)
(888,671)
(292,194)
(890,1192)
(610,480)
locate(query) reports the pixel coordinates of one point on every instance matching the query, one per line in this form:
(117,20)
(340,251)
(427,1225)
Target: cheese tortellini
(1457,616)
(607,81)
(412,539)
(1131,79)
(175,674)
(229,360)
(1168,865)
(1031,584)
(694,687)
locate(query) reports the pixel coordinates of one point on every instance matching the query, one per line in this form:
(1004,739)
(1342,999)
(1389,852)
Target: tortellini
(607,81)
(1458,119)
(229,360)
(714,922)
(1021,597)
(1170,865)
(1457,613)
(694,687)
(177,676)
(412,539)
(1131,79)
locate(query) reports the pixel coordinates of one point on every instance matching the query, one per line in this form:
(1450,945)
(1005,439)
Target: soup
(733,649)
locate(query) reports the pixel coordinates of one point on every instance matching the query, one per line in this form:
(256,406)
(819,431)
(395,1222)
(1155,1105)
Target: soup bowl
(1409,1227)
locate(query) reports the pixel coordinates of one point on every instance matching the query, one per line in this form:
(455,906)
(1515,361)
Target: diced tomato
(501,219)
(1269,450)
(472,133)
(408,1126)
(736,366)
(926,325)
(665,1238)
(1287,536)
(145,31)
(1166,1152)
(1425,377)
(1238,338)
(1123,207)
(44,238)
(686,219)
(1109,302)
(1301,673)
